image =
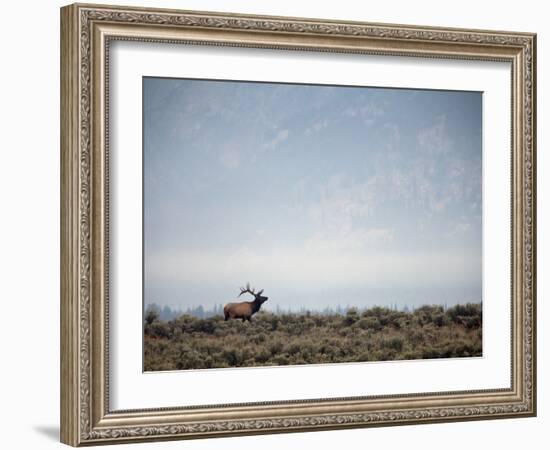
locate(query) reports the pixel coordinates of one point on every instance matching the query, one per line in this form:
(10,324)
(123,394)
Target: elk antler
(247,289)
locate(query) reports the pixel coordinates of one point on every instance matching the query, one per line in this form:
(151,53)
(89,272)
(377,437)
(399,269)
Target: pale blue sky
(320,195)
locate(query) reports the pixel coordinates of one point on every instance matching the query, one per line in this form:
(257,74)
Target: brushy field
(376,334)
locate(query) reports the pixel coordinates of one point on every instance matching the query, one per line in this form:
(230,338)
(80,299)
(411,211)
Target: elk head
(259,299)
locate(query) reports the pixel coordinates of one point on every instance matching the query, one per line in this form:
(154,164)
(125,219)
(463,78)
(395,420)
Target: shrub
(276,347)
(395,343)
(370,323)
(151,315)
(351,317)
(440,319)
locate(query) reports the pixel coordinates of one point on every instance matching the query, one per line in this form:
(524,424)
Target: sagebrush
(376,334)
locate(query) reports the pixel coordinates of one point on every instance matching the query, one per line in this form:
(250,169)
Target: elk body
(244,310)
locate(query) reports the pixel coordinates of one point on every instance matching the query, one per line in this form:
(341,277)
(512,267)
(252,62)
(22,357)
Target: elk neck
(256,305)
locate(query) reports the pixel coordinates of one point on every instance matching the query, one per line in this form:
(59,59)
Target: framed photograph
(276,224)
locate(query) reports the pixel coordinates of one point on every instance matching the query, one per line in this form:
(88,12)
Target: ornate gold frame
(86,31)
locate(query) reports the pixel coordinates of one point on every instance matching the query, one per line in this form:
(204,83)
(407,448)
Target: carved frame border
(86,31)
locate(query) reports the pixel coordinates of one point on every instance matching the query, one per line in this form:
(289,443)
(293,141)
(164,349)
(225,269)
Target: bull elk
(244,310)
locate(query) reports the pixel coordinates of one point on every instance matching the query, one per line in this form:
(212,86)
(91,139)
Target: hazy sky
(320,195)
